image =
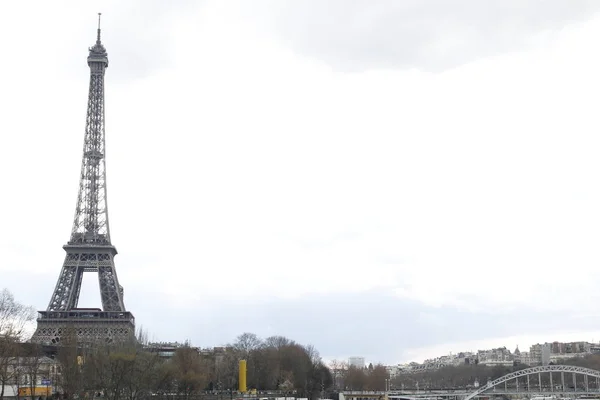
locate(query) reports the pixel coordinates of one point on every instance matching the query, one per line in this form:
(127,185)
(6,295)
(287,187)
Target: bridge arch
(533,371)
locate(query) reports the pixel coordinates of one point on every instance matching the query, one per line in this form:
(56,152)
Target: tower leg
(110,290)
(66,292)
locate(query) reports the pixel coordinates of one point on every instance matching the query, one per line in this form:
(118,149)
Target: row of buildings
(29,377)
(538,354)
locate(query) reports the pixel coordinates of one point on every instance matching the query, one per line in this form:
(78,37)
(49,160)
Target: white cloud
(241,169)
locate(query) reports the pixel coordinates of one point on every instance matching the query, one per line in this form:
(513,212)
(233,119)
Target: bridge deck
(443,394)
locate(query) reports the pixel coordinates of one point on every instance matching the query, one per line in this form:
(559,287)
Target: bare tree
(165,378)
(228,367)
(356,378)
(19,375)
(110,368)
(14,317)
(190,372)
(32,367)
(70,360)
(377,377)
(124,370)
(247,345)
(247,342)
(341,377)
(335,367)
(144,373)
(278,342)
(8,348)
(318,377)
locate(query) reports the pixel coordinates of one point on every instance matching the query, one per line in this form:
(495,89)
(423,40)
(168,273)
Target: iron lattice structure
(89,248)
(535,371)
(554,386)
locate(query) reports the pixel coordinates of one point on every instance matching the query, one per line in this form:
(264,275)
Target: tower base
(84,326)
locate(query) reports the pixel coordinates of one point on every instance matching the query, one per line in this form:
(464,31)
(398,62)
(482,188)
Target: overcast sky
(391,179)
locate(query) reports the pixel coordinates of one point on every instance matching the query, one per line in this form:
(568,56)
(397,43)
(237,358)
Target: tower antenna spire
(98,39)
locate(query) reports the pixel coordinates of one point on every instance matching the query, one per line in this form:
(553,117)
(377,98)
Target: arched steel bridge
(562,369)
(500,386)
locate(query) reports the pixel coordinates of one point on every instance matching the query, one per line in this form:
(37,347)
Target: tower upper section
(90,225)
(98,58)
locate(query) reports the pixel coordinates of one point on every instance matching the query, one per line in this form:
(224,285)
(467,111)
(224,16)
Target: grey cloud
(372,324)
(377,326)
(430,35)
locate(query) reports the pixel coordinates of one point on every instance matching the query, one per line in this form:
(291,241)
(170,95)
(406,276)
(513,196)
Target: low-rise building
(525,358)
(559,358)
(31,376)
(393,370)
(164,349)
(495,363)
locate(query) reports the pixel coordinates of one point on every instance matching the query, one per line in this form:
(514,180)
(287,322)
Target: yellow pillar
(242,377)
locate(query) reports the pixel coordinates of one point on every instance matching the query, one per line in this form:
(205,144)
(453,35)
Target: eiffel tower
(89,248)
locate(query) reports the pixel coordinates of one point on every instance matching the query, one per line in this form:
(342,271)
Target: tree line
(349,377)
(134,370)
(276,363)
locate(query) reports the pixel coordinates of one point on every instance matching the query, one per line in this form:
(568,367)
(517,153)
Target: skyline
(475,348)
(270,175)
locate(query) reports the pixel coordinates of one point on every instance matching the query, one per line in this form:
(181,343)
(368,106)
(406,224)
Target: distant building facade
(556,352)
(356,362)
(166,350)
(538,354)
